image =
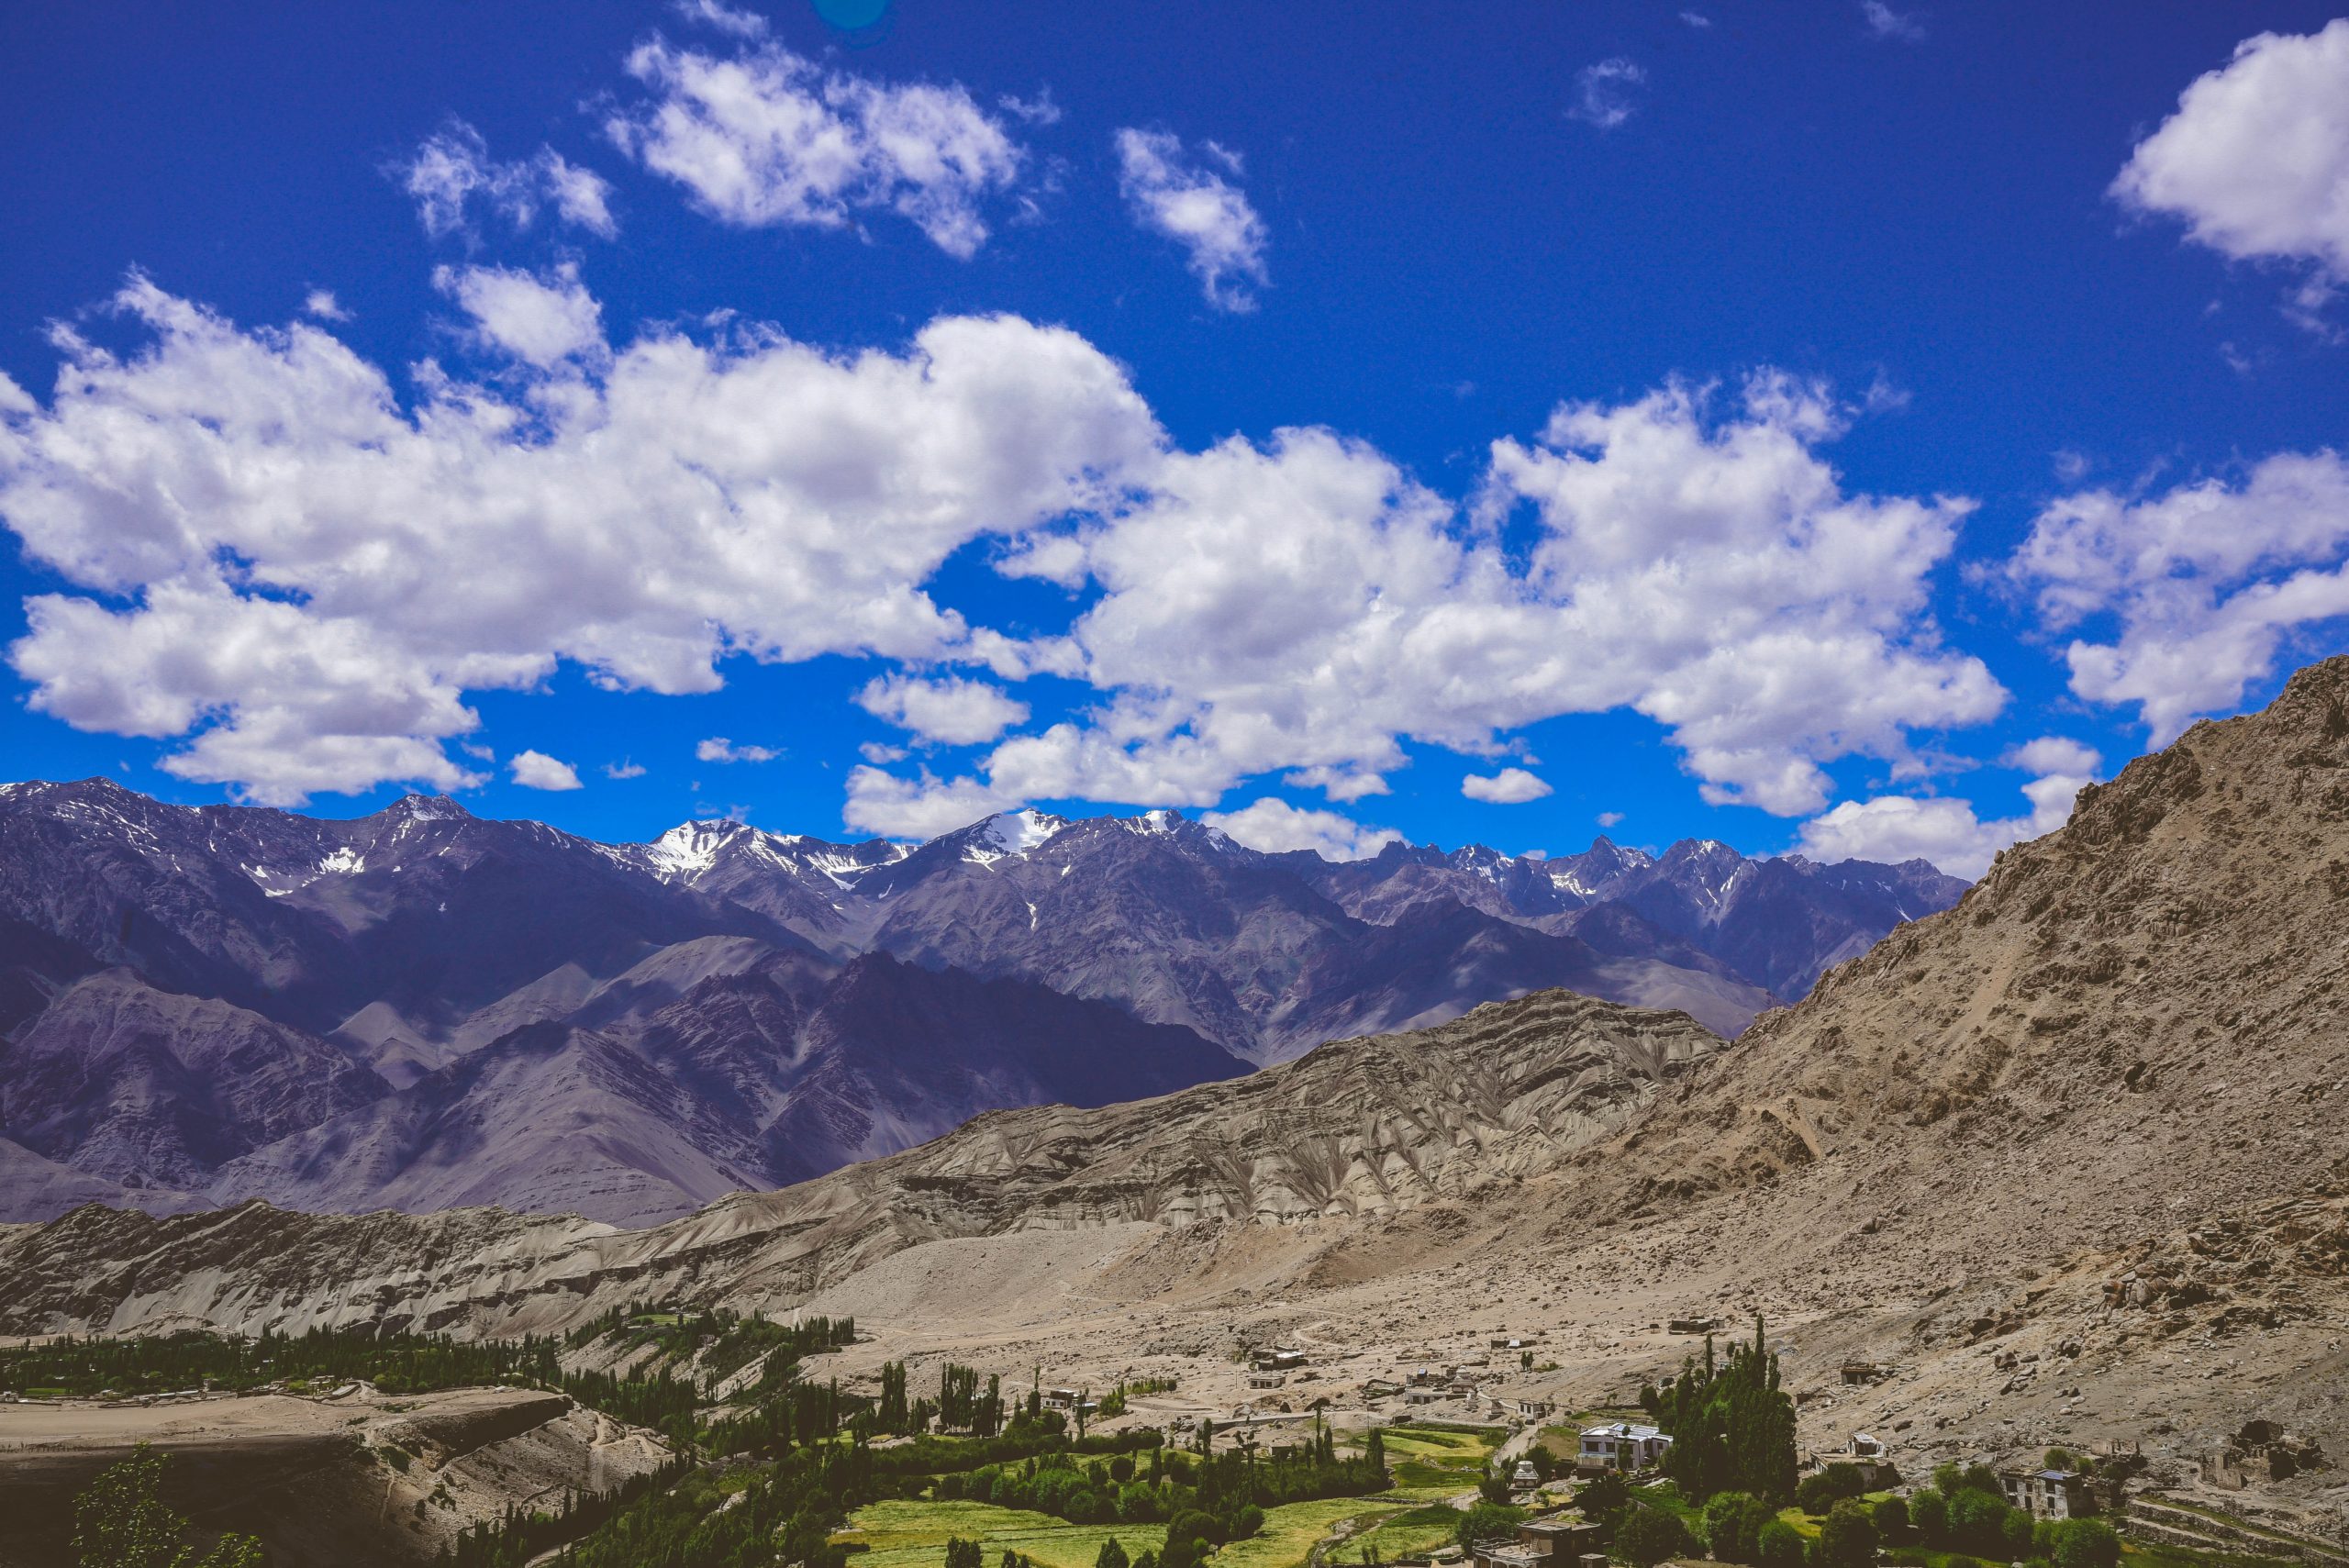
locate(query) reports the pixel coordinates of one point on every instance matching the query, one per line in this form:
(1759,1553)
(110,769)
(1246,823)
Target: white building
(1621,1445)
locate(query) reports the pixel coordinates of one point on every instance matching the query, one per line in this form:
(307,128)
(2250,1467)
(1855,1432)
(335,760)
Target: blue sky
(1801,429)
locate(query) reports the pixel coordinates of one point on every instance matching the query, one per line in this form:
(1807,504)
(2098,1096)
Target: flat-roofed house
(1619,1445)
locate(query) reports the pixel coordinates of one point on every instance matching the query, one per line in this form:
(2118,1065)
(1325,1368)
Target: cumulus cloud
(541,320)
(536,770)
(2256,160)
(452,171)
(1305,606)
(1273,826)
(1945,831)
(1510,786)
(624,769)
(2188,596)
(1176,195)
(1610,819)
(922,807)
(951,712)
(281,563)
(767,138)
(1604,93)
(322,304)
(718,748)
(1883,22)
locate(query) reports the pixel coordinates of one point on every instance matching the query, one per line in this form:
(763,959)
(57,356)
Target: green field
(1429,1464)
(1433,1462)
(903,1534)
(1290,1532)
(1408,1534)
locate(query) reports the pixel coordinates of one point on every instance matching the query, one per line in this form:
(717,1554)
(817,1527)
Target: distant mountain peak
(418,807)
(1011,833)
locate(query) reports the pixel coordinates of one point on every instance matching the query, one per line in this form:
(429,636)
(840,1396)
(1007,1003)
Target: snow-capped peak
(429,808)
(1012,833)
(689,848)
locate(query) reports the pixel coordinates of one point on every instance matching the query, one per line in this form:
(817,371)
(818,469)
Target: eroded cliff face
(317,1478)
(1356,1129)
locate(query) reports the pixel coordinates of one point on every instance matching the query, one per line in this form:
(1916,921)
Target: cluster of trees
(1234,1486)
(121,1520)
(1965,1511)
(395,1360)
(1732,1427)
(962,1407)
(519,1537)
(786,1515)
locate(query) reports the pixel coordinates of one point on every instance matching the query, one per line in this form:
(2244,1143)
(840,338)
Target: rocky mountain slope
(204,1005)
(2136,1016)
(1356,1129)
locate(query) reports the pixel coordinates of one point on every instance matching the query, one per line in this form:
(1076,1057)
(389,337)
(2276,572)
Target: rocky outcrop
(2134,1018)
(355,1479)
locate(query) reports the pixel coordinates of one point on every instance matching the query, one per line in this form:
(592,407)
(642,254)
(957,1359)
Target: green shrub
(1645,1537)
(1779,1545)
(2085,1543)
(1847,1539)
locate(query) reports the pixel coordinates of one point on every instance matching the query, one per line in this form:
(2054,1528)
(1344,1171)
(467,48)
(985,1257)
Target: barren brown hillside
(2135,1020)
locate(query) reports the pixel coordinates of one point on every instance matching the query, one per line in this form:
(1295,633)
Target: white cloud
(541,321)
(881,756)
(624,769)
(1510,786)
(1343,783)
(1038,110)
(1696,18)
(723,19)
(322,304)
(1945,831)
(1884,22)
(899,807)
(276,563)
(536,770)
(1175,195)
(303,579)
(2056,754)
(951,712)
(1610,819)
(718,748)
(1304,607)
(453,169)
(766,138)
(2200,587)
(1274,826)
(1604,93)
(2256,160)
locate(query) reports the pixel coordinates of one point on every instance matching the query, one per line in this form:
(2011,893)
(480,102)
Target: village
(1558,1463)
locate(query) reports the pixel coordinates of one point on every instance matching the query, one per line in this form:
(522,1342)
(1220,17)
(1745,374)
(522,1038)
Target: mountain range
(2118,1057)
(421,1008)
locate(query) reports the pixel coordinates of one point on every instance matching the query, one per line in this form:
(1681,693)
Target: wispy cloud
(1884,22)
(1173,193)
(1604,93)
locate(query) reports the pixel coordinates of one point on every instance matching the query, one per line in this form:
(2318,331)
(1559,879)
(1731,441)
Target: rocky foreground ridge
(1356,1131)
